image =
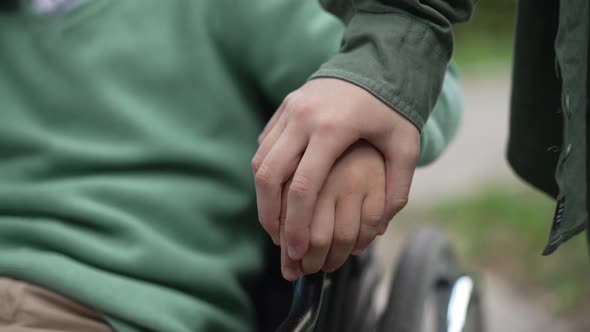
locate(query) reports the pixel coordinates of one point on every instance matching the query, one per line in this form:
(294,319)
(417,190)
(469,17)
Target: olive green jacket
(548,135)
(398,50)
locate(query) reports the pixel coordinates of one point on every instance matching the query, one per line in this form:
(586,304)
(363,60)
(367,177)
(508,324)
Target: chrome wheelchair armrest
(307,301)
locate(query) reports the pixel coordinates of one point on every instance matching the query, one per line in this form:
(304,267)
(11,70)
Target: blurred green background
(485,43)
(505,228)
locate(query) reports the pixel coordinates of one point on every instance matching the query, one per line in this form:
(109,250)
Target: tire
(420,290)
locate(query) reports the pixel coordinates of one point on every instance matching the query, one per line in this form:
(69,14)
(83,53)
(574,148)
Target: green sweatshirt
(126,133)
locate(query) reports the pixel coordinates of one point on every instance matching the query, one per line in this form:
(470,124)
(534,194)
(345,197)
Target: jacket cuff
(396,58)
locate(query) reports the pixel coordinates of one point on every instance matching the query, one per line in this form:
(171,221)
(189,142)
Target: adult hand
(349,204)
(310,130)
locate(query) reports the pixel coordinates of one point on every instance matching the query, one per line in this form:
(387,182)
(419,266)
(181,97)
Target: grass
(506,230)
(485,43)
(483,54)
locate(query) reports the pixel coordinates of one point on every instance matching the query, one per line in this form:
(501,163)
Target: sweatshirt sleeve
(276,44)
(398,50)
(443,123)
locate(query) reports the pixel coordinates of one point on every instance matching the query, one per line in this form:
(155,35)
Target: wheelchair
(428,292)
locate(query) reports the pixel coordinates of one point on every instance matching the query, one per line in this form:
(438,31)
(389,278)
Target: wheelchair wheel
(475,318)
(429,293)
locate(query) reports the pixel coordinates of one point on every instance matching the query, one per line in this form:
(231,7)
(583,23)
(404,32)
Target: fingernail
(276,241)
(294,252)
(289,274)
(357,252)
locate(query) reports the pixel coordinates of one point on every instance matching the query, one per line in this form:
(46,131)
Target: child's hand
(348,214)
(313,127)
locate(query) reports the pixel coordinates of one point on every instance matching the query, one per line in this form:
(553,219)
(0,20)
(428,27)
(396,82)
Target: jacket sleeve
(275,45)
(398,50)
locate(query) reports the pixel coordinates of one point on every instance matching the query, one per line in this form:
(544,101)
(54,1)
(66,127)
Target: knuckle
(255,163)
(300,187)
(320,241)
(301,109)
(263,177)
(398,204)
(289,98)
(345,239)
(372,219)
(296,235)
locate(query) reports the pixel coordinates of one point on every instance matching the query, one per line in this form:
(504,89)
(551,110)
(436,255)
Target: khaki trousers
(28,308)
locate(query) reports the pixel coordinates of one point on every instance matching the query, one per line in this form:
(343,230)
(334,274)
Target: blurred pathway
(476,157)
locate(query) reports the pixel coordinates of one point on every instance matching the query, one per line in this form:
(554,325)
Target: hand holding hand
(310,130)
(347,215)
